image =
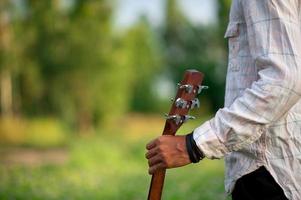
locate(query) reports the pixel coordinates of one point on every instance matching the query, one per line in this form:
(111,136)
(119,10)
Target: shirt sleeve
(274,37)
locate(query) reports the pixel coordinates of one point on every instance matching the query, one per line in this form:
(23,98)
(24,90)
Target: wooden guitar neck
(185,100)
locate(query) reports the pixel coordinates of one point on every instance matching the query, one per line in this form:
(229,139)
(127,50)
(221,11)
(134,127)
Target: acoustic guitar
(185,99)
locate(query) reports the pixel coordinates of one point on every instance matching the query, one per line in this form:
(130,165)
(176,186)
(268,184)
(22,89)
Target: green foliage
(189,46)
(108,168)
(142,55)
(223,8)
(70,64)
(68,67)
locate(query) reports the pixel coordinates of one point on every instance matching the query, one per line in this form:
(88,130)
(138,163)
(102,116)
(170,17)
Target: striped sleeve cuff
(208,142)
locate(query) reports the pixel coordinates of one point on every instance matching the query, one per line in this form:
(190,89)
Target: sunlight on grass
(111,166)
(37,132)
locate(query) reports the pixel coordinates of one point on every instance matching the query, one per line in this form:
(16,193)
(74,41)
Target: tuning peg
(188,117)
(195,103)
(202,87)
(181,103)
(176,118)
(188,88)
(179,119)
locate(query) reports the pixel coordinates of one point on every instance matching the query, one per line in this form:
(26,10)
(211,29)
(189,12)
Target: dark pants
(258,185)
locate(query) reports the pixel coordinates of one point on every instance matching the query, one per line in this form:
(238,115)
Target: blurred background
(84,85)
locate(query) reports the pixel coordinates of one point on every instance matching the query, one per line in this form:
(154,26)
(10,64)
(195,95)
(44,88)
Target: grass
(38,132)
(111,166)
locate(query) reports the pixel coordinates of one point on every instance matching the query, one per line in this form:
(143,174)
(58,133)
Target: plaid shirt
(260,124)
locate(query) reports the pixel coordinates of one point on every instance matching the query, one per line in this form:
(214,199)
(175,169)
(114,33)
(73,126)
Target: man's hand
(167,152)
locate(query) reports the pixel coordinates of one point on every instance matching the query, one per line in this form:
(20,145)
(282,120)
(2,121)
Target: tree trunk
(5,73)
(85,124)
(6,93)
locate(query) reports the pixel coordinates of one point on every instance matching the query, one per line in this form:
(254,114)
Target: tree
(223,14)
(190,46)
(68,56)
(8,65)
(142,57)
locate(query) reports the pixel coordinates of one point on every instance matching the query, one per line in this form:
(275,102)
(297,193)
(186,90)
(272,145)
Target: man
(258,132)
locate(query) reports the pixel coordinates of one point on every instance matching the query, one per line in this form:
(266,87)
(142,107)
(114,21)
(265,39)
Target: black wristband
(195,154)
(196,149)
(192,156)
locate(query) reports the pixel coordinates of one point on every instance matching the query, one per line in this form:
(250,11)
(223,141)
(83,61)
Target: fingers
(155,156)
(154,160)
(151,144)
(151,153)
(156,167)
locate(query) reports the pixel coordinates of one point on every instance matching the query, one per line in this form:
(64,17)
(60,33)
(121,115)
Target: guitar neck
(156,186)
(157,182)
(184,101)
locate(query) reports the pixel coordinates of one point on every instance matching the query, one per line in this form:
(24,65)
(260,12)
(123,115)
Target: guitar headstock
(185,99)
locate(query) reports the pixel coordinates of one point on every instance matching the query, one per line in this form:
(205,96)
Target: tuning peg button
(195,103)
(177,118)
(202,87)
(188,117)
(188,88)
(181,103)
